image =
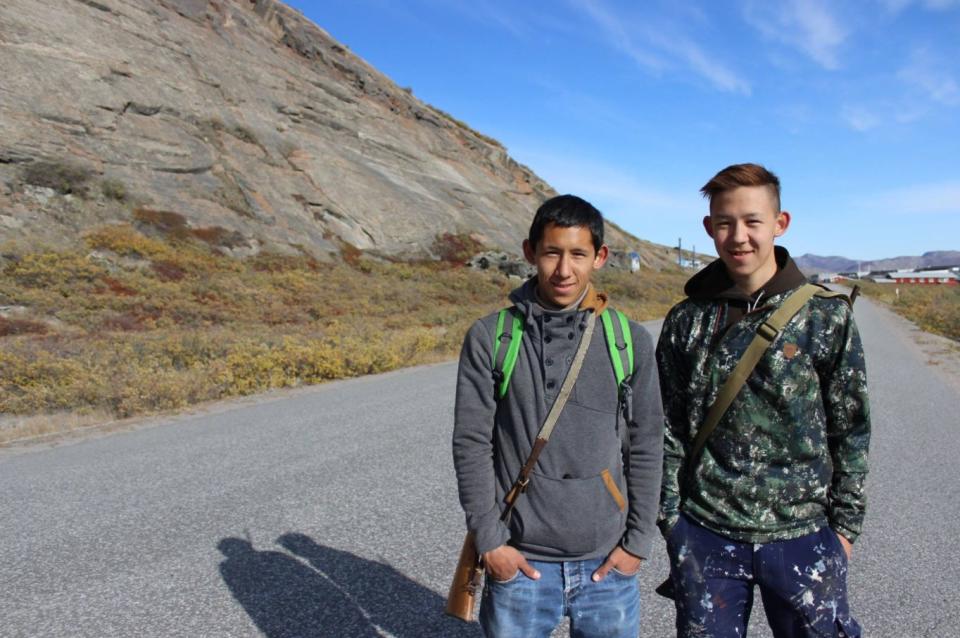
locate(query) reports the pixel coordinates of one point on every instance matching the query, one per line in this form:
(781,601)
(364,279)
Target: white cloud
(658,48)
(908,113)
(807,25)
(589,108)
(896,6)
(719,75)
(859,118)
(506,20)
(614,30)
(927,84)
(926,73)
(609,183)
(650,212)
(937,198)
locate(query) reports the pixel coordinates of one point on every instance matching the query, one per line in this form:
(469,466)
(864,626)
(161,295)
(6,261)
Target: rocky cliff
(241,122)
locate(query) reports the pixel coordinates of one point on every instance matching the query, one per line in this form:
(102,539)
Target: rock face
(245,119)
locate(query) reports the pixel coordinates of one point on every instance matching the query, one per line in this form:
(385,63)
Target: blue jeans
(803,583)
(525,608)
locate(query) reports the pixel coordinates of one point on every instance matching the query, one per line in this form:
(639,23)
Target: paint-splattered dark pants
(803,583)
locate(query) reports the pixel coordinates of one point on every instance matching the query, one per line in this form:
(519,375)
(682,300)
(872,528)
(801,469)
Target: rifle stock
(462,597)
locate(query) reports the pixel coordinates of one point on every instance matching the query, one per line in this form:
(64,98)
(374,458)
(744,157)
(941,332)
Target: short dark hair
(738,175)
(566,211)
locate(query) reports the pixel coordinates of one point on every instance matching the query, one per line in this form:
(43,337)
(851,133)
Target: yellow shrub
(203,326)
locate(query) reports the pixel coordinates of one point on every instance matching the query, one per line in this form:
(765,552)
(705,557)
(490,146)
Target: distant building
(942,277)
(945,277)
(953,268)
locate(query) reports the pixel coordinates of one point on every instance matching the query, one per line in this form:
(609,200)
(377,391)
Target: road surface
(332,511)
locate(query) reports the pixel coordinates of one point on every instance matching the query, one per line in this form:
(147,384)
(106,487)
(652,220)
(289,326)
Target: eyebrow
(727,216)
(547,246)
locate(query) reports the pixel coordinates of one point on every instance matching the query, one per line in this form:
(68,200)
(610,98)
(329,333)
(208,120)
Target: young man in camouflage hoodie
(776,496)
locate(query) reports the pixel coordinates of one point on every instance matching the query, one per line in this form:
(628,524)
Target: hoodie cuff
(637,543)
(846,532)
(489,531)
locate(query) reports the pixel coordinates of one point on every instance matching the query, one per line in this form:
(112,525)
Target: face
(565,259)
(743,223)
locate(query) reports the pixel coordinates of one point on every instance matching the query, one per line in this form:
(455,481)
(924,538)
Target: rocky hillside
(243,124)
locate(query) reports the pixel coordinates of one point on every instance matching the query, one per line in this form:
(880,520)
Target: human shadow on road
(330,593)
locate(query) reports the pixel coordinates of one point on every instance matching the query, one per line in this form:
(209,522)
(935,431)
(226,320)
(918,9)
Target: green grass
(935,308)
(127,324)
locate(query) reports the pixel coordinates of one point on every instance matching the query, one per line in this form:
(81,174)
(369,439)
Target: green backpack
(506,347)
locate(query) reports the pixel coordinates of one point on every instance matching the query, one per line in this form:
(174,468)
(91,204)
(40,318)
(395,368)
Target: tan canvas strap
(544,435)
(767,333)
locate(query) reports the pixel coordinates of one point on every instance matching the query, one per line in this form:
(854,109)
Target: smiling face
(743,223)
(565,260)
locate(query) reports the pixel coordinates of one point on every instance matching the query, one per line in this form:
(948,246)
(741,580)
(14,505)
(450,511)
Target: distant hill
(811,264)
(243,123)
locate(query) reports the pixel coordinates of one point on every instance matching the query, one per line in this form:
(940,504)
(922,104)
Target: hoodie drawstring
(753,303)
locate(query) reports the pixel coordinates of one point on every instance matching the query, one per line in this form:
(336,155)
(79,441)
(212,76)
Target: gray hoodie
(569,512)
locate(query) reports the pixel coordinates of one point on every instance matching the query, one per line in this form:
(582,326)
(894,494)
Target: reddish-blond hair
(738,175)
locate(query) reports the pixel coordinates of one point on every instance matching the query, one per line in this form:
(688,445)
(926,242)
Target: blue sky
(635,105)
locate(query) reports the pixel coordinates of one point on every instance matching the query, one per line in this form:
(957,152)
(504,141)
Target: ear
(529,252)
(708,225)
(782,223)
(601,257)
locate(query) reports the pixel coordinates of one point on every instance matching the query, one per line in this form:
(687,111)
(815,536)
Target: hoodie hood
(714,284)
(525,298)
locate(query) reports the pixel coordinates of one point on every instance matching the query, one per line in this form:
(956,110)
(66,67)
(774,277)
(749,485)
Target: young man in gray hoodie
(574,543)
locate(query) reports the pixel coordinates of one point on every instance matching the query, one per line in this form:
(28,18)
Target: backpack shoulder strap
(506,346)
(509,334)
(826,293)
(616,329)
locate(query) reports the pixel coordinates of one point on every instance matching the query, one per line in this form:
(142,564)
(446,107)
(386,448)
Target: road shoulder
(940,353)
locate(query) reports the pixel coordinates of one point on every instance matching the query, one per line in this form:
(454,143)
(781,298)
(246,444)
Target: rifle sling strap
(767,333)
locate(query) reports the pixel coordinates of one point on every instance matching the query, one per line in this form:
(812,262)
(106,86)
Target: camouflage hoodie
(790,454)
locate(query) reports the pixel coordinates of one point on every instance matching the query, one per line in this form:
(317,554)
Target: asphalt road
(332,511)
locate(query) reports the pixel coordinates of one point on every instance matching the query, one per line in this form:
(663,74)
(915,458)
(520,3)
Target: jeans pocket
(834,540)
(614,570)
(507,581)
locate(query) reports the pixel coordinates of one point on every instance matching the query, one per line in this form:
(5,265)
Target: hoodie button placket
(549,382)
(552,327)
(559,343)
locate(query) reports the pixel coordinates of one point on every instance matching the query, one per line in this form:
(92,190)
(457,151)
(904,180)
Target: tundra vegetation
(935,308)
(128,323)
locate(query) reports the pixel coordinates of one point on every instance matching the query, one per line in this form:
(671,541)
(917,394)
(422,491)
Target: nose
(563,267)
(739,233)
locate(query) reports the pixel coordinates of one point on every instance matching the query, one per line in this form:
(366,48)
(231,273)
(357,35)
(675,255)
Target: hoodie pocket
(568,516)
